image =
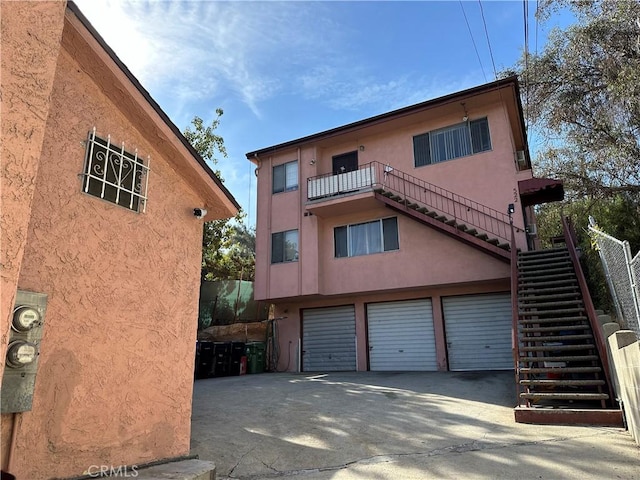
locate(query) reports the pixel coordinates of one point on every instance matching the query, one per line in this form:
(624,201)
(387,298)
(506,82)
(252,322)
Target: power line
(486,32)
(473,40)
(525,11)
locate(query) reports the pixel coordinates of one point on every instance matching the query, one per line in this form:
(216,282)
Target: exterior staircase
(459,217)
(561,370)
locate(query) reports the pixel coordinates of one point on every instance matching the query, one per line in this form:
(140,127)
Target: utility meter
(25,318)
(21,365)
(21,353)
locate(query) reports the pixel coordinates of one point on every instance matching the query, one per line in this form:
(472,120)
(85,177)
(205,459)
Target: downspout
(12,442)
(300,208)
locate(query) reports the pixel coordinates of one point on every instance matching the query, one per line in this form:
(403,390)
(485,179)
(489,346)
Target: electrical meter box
(21,363)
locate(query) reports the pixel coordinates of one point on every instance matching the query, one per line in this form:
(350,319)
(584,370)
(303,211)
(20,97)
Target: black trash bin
(204,359)
(237,352)
(222,359)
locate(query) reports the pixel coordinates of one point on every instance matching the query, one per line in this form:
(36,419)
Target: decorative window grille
(115,175)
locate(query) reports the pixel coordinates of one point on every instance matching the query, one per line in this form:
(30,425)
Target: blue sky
(283,70)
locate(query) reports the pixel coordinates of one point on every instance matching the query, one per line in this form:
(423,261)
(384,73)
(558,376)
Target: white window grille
(113,174)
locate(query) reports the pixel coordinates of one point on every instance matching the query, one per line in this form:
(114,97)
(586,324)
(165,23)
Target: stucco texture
(30,42)
(115,374)
(426,257)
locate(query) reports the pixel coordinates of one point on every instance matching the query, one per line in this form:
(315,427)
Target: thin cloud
(202,50)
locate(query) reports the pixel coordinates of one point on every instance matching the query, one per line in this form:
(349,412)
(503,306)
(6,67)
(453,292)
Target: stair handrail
(571,241)
(515,341)
(443,200)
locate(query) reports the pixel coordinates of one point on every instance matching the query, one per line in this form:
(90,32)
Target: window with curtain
(284,246)
(451,142)
(285,177)
(366,238)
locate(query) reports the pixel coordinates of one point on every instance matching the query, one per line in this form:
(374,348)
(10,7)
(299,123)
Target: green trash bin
(256,357)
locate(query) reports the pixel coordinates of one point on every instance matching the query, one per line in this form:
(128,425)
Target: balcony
(348,192)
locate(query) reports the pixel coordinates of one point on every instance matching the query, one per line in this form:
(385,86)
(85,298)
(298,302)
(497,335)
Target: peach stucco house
(384,244)
(101,254)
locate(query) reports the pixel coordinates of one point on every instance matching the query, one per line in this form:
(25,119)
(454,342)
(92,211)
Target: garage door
(478,329)
(329,339)
(401,336)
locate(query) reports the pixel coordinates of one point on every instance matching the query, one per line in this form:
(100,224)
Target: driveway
(366,425)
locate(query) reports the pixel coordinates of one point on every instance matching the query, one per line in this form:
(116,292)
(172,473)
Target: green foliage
(228,247)
(618,216)
(582,95)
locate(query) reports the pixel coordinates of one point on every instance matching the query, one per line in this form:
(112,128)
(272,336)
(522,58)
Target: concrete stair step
(493,241)
(564,396)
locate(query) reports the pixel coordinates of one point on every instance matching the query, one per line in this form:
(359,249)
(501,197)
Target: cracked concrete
(366,425)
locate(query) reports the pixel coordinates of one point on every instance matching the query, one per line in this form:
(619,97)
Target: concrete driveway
(367,425)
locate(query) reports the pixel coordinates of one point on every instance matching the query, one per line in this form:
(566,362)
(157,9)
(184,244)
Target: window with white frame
(284,246)
(285,177)
(366,238)
(114,174)
(452,142)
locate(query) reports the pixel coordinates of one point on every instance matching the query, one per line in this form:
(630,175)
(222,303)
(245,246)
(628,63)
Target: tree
(582,95)
(227,245)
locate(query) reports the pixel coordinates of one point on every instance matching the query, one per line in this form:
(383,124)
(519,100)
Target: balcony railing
(411,189)
(329,185)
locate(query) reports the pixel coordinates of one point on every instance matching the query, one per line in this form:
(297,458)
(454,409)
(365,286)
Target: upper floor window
(451,142)
(366,238)
(285,177)
(115,175)
(284,246)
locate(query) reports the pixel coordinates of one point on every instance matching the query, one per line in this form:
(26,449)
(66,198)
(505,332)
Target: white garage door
(478,329)
(401,336)
(329,339)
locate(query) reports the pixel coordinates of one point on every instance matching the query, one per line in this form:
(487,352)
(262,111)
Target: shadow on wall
(224,302)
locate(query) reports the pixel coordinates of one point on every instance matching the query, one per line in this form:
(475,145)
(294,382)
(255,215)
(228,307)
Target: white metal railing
(329,185)
(623,276)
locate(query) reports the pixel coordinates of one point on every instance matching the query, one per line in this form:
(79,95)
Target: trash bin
(237,352)
(222,359)
(255,357)
(204,359)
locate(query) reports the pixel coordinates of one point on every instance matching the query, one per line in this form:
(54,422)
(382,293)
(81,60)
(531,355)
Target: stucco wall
(289,325)
(30,39)
(426,257)
(115,377)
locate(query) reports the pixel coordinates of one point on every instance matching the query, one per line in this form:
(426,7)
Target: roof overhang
(534,191)
(101,63)
(505,90)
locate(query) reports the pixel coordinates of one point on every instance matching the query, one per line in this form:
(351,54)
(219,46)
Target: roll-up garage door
(478,329)
(401,336)
(329,339)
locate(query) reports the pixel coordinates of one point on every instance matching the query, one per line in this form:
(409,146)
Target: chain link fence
(622,272)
